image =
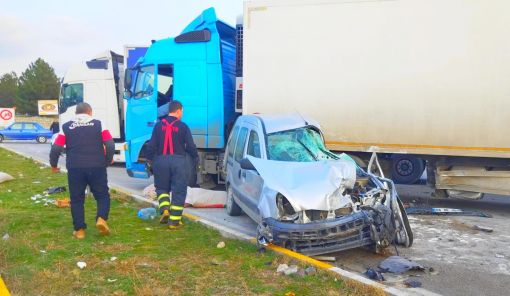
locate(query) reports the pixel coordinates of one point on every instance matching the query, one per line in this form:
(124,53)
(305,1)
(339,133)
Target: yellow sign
(48,107)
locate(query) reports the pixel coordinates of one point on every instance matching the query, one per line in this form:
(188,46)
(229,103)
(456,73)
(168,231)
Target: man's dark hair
(83,108)
(174,106)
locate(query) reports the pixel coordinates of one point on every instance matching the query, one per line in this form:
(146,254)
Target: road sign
(6,116)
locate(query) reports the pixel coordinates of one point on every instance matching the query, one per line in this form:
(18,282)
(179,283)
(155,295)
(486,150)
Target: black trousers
(97,180)
(170,175)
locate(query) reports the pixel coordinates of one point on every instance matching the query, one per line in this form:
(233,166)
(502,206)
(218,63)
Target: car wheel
(41,139)
(232,207)
(406,169)
(404,235)
(1,138)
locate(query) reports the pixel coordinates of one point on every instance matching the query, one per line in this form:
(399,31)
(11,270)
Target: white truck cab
(98,82)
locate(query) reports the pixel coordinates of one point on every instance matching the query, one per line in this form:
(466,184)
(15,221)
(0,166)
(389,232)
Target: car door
(29,131)
(237,180)
(14,131)
(252,182)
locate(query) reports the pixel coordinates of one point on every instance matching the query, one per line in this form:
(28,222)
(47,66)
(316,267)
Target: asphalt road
(464,261)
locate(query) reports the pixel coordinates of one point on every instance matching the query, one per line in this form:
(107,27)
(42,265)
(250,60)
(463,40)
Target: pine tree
(38,82)
(8,89)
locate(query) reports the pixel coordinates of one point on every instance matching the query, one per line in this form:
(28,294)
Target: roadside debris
(499,256)
(281,268)
(482,228)
(220,245)
(410,283)
(111,280)
(4,177)
(196,197)
(374,274)
(63,203)
(5,237)
(113,258)
(397,264)
(81,264)
(53,190)
(310,270)
(147,213)
(445,211)
(325,258)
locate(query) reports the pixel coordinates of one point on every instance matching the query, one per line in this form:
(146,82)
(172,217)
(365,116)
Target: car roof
(281,122)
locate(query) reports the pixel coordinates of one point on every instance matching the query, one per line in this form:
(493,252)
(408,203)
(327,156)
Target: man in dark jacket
(171,140)
(89,150)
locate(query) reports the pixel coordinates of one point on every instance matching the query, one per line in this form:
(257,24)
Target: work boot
(164,217)
(79,234)
(175,226)
(102,226)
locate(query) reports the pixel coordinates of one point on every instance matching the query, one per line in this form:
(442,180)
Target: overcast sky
(65,32)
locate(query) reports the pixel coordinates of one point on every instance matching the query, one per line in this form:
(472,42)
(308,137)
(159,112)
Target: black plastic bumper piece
(320,237)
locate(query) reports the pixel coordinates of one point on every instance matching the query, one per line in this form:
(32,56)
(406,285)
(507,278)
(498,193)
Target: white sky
(66,32)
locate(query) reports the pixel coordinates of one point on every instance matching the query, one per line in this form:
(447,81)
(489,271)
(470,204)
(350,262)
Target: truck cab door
(141,115)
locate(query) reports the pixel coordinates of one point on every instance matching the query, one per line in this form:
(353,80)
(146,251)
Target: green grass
(40,256)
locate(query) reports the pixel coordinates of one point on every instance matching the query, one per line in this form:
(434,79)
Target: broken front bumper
(320,237)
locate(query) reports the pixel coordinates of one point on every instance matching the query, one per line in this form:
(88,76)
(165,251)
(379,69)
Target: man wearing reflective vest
(89,150)
(171,140)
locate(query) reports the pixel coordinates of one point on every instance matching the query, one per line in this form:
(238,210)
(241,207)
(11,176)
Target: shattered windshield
(302,145)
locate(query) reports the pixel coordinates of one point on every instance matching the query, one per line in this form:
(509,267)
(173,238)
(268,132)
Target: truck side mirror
(247,165)
(128,79)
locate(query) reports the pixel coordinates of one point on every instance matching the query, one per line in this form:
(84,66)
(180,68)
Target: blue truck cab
(198,69)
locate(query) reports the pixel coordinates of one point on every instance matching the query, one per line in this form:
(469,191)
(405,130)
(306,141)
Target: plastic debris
(445,211)
(310,270)
(147,213)
(6,237)
(113,258)
(499,256)
(281,268)
(483,228)
(397,264)
(220,245)
(374,274)
(111,280)
(325,258)
(53,190)
(412,283)
(4,177)
(36,182)
(81,264)
(43,251)
(148,228)
(291,270)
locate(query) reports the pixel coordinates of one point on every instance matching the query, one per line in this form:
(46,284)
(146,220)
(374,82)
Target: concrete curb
(231,233)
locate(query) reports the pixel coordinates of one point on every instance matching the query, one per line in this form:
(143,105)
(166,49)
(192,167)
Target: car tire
(41,139)
(1,138)
(232,207)
(405,236)
(406,169)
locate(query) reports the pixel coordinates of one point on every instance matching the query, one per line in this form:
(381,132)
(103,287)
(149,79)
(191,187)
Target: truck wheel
(41,139)
(232,207)
(406,169)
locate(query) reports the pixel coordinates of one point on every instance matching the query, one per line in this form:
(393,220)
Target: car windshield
(302,145)
(144,85)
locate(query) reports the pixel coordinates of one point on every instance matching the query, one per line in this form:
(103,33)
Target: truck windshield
(302,145)
(144,85)
(71,95)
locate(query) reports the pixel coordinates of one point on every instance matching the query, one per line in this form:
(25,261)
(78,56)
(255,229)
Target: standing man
(171,140)
(89,150)
(54,128)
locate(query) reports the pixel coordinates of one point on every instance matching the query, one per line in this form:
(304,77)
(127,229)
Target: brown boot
(102,226)
(79,234)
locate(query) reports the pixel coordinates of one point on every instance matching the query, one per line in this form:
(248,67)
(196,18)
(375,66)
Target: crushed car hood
(309,185)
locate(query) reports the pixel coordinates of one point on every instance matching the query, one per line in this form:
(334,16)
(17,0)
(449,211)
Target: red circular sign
(6,114)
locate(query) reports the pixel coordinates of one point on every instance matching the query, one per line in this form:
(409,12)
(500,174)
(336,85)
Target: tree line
(37,82)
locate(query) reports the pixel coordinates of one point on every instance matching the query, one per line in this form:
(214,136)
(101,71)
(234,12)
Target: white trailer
(98,82)
(411,79)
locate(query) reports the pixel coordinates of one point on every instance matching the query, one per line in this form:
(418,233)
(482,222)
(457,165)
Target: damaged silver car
(304,197)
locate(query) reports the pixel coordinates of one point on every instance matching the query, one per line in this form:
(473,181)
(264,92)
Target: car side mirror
(247,165)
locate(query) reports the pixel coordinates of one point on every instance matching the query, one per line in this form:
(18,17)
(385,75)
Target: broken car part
(445,211)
